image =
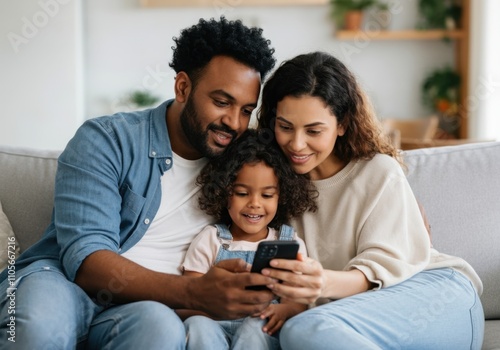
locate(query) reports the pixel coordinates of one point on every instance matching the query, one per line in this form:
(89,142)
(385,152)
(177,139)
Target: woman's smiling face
(306,131)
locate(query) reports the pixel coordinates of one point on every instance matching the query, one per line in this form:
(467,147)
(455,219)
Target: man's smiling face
(220,105)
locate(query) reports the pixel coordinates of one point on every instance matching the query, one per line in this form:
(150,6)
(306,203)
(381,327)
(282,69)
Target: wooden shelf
(229,3)
(400,34)
(408,143)
(461,38)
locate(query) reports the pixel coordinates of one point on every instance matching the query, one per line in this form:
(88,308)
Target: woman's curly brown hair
(319,74)
(296,193)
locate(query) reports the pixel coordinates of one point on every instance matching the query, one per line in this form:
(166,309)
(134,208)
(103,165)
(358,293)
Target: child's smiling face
(254,202)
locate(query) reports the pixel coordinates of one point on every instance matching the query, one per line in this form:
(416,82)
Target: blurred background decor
(64,62)
(383,15)
(348,14)
(439,14)
(135,100)
(142,99)
(440,93)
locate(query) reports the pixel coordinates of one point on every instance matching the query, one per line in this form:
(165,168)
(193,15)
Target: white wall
(58,79)
(41,72)
(484,89)
(126,43)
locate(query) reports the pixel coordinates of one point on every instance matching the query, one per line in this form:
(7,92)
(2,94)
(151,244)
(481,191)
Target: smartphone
(268,250)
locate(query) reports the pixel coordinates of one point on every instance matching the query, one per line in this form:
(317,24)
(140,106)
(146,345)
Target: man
(105,274)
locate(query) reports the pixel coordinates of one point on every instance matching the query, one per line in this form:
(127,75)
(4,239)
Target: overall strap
(287,233)
(224,235)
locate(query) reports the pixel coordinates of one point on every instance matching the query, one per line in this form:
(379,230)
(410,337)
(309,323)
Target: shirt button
(168,161)
(146,221)
(153,153)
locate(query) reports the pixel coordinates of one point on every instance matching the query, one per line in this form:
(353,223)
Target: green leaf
(143,98)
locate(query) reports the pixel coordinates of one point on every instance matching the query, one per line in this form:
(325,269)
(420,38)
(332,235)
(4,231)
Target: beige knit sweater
(368,219)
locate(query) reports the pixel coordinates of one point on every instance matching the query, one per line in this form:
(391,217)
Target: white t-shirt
(177,222)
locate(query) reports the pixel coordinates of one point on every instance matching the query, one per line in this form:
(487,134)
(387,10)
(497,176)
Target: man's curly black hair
(197,45)
(296,193)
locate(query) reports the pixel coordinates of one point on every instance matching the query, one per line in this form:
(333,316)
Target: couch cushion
(460,191)
(26,190)
(491,335)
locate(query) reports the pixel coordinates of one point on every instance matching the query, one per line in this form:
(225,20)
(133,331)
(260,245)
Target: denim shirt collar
(159,141)
(159,144)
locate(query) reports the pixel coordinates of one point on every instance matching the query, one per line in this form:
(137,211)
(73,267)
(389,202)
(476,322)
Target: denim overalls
(243,333)
(286,233)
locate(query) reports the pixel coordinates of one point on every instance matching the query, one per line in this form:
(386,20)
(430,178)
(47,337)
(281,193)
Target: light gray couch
(459,187)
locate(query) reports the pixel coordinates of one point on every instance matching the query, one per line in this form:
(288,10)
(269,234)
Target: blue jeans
(54,313)
(435,309)
(203,333)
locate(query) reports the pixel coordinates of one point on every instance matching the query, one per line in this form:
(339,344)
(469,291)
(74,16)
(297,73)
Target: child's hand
(277,314)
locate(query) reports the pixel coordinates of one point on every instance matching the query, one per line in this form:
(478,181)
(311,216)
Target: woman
(370,255)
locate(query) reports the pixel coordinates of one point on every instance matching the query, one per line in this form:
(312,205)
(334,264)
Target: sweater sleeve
(302,245)
(393,243)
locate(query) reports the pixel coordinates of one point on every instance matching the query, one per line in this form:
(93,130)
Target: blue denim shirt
(107,191)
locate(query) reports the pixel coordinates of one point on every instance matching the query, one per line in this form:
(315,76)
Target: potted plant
(440,92)
(439,14)
(142,98)
(348,14)
(134,100)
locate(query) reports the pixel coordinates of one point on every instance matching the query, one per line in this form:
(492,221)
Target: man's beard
(196,136)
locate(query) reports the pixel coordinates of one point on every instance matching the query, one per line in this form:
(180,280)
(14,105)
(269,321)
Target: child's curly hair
(296,193)
(198,44)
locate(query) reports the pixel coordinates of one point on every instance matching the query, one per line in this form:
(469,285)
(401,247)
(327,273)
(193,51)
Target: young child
(252,191)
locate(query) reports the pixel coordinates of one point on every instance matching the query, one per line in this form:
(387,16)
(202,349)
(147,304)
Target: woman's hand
(303,279)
